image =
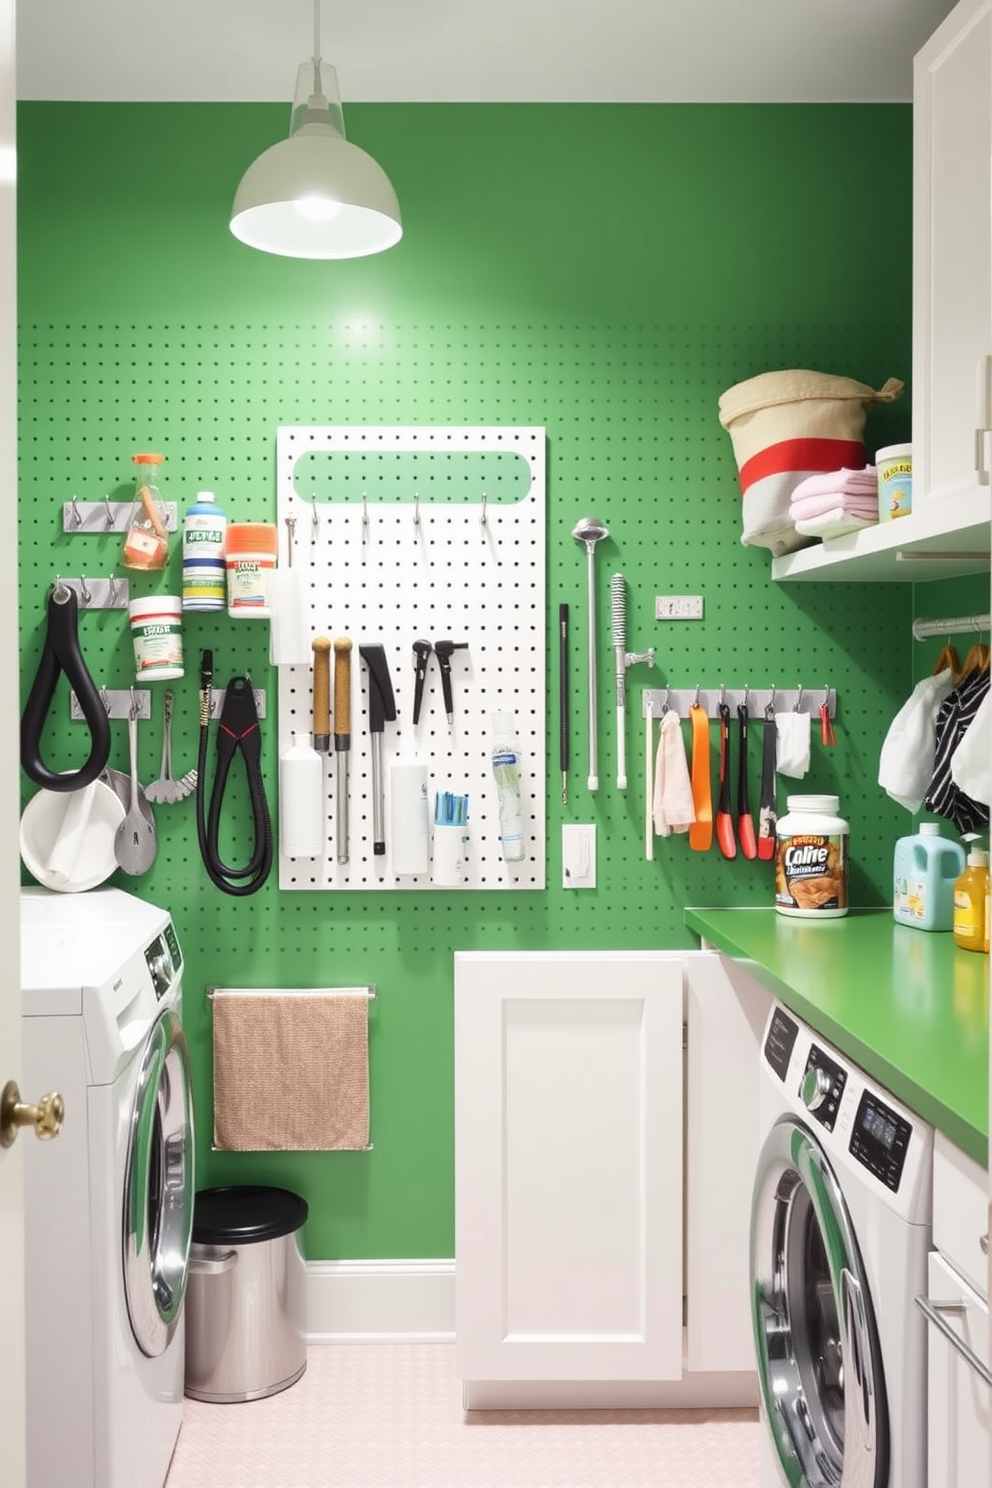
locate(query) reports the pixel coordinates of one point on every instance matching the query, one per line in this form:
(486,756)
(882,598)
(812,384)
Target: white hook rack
(782,700)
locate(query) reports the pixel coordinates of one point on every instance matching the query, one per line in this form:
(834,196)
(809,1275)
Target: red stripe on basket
(802,454)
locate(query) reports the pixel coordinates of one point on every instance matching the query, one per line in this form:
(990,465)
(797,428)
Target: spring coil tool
(61,653)
(237,732)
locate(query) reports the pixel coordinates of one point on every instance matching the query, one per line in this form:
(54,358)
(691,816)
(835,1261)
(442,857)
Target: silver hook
(105,700)
(668,699)
(695,701)
(416,509)
(77,516)
(723,695)
(747,694)
(84,593)
(61,591)
(798,705)
(110,513)
(365,517)
(314,517)
(133,711)
(484,518)
(112,601)
(770,705)
(826,695)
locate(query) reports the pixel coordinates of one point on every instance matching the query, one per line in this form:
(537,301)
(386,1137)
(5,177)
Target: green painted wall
(603,271)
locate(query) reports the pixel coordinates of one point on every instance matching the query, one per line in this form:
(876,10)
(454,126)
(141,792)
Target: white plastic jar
(157,635)
(811,859)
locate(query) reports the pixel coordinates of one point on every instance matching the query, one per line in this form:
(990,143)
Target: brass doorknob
(46,1117)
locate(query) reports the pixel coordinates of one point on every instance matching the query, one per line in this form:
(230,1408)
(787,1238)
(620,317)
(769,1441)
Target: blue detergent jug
(924,870)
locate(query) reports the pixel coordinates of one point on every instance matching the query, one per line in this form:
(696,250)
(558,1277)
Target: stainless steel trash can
(246,1294)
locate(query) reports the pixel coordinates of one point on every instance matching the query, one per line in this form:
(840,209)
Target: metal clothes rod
(782,700)
(369,990)
(954,625)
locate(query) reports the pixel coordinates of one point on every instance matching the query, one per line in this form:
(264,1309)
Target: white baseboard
(381,1301)
(414,1302)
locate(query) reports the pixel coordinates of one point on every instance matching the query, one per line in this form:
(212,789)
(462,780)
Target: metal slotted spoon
(165,791)
(135,844)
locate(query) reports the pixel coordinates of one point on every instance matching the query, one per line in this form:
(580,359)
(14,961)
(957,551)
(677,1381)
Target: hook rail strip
(782,700)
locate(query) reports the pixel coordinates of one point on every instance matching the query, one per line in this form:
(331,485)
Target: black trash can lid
(245,1214)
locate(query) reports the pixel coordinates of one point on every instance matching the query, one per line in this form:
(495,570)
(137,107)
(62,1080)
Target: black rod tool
(444,650)
(382,710)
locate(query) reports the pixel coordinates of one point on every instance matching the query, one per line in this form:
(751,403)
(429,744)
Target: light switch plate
(678,607)
(578,855)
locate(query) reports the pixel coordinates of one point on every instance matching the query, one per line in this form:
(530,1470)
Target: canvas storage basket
(785,426)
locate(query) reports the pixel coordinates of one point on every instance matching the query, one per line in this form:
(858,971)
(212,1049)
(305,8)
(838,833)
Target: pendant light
(314,195)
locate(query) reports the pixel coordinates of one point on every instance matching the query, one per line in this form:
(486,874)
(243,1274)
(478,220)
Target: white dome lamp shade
(314,195)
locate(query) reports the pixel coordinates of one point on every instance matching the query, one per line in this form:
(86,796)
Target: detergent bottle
(970,892)
(925,868)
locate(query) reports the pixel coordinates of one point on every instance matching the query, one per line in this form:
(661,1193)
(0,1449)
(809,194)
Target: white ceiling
(455,51)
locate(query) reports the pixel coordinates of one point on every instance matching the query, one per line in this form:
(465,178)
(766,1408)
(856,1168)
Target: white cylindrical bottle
(811,858)
(409,831)
(301,800)
(204,571)
(506,772)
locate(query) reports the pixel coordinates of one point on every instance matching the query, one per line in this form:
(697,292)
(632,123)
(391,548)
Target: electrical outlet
(678,607)
(578,855)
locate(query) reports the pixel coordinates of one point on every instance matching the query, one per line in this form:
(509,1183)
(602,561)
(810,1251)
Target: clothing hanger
(947,661)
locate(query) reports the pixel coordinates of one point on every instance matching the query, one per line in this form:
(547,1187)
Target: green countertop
(909,1007)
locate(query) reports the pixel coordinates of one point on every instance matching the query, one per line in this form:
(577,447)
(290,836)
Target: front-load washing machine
(840,1232)
(109,1204)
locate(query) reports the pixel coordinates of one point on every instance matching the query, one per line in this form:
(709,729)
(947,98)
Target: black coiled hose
(237,731)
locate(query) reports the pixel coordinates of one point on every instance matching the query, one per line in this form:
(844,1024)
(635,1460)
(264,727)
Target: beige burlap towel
(291,1069)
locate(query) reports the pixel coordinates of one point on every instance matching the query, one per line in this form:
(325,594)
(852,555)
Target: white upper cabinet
(947,532)
(952,263)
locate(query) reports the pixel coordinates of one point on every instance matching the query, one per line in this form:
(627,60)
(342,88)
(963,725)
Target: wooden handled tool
(321,647)
(342,741)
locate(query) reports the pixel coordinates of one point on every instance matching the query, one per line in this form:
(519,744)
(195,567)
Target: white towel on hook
(792,734)
(673,806)
(905,765)
(971,762)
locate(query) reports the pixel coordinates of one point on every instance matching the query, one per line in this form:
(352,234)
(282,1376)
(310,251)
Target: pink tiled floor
(390,1416)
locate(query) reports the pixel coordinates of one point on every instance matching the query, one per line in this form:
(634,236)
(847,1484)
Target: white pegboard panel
(425,539)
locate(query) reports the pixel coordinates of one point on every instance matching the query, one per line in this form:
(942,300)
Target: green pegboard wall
(507,303)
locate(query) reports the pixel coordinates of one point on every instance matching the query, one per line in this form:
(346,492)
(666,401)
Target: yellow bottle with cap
(970,892)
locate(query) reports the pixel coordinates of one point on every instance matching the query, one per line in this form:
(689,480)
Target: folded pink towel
(673,807)
(854,482)
(814,506)
(833,524)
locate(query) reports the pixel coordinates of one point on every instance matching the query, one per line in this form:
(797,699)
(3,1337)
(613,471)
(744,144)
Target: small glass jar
(146,545)
(811,859)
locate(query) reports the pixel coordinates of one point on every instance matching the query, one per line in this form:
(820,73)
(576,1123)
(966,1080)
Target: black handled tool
(382,709)
(60,654)
(421,656)
(563,699)
(745,825)
(724,821)
(444,650)
(767,809)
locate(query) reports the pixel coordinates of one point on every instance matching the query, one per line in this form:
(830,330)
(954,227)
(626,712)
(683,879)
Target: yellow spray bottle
(971,891)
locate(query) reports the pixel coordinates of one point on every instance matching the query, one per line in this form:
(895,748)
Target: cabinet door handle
(984,417)
(933,1311)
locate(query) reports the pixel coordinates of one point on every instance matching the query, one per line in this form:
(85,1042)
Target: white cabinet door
(957,1397)
(726,1012)
(952,257)
(568,1165)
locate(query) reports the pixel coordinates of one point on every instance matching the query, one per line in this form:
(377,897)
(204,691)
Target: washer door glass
(819,1362)
(158,1188)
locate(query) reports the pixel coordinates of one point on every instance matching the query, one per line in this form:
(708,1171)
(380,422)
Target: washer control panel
(880,1139)
(822,1086)
(164,960)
